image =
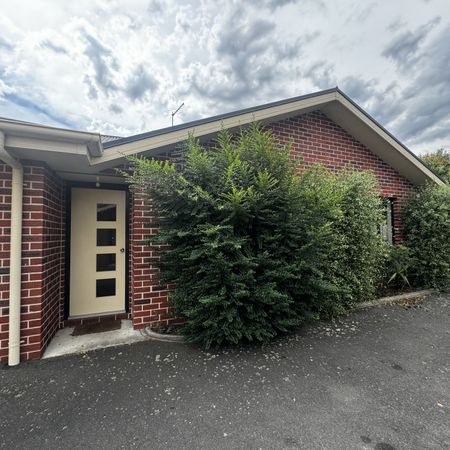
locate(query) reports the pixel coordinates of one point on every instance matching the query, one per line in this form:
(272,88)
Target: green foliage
(427,227)
(399,265)
(254,249)
(354,254)
(439,161)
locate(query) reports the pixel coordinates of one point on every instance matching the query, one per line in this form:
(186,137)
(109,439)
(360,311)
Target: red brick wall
(148,298)
(42,259)
(317,139)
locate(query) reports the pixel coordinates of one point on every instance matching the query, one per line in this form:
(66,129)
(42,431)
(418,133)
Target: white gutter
(16,128)
(15,271)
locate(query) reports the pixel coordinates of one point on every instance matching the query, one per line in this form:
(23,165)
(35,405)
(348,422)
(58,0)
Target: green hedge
(255,249)
(427,229)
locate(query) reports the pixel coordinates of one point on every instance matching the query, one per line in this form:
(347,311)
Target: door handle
(122,250)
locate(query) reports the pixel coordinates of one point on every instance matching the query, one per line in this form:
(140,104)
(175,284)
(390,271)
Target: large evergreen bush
(253,248)
(427,228)
(354,254)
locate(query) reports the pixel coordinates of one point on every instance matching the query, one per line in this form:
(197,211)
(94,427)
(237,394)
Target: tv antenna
(174,112)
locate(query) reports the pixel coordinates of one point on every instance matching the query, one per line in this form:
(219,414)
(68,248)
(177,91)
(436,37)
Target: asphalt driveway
(378,379)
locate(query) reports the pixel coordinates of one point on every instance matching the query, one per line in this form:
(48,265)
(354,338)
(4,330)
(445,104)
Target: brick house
(70,229)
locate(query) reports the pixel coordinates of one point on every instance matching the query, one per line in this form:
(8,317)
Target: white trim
(22,135)
(35,131)
(150,143)
(23,142)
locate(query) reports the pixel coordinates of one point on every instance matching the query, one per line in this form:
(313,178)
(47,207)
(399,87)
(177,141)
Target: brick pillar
(42,259)
(149,302)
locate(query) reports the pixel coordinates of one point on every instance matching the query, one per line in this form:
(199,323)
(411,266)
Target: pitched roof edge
(137,137)
(372,119)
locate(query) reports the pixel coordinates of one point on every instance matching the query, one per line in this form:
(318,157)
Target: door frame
(68,235)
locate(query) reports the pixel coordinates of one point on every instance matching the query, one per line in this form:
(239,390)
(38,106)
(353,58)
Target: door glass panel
(106,288)
(106,212)
(106,262)
(106,236)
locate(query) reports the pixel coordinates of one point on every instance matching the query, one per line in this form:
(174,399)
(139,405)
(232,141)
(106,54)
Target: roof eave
(36,131)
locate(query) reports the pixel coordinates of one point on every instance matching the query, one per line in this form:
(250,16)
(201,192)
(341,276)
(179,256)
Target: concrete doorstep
(65,344)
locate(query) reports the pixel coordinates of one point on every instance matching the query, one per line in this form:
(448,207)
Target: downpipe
(15,271)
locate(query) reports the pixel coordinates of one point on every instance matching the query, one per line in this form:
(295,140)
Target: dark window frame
(389,235)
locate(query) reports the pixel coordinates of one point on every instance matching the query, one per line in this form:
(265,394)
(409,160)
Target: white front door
(97,252)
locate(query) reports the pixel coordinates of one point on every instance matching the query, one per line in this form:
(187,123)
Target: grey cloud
(293,50)
(251,61)
(427,99)
(360,14)
(396,25)
(248,62)
(103,61)
(420,111)
(5,44)
(273,4)
(92,92)
(56,48)
(116,109)
(155,7)
(383,103)
(321,73)
(244,38)
(358,89)
(140,83)
(403,49)
(278,4)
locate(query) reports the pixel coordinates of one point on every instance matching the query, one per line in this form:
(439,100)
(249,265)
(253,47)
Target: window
(106,287)
(106,237)
(387,226)
(106,262)
(106,212)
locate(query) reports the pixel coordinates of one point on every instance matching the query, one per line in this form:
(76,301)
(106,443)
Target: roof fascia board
(22,142)
(150,143)
(381,131)
(42,132)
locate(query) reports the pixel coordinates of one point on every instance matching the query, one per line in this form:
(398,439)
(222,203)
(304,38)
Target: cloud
(155,7)
(245,60)
(404,48)
(37,107)
(140,83)
(5,44)
(121,69)
(56,48)
(428,114)
(322,74)
(103,62)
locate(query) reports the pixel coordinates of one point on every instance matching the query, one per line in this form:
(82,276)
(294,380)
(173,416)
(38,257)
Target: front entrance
(97,252)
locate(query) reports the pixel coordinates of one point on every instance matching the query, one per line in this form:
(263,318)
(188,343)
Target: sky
(121,67)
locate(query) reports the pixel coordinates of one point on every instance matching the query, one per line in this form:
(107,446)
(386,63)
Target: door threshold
(93,316)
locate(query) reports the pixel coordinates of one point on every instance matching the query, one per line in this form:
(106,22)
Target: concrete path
(378,379)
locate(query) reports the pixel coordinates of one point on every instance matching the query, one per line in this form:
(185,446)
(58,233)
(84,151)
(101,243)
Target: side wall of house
(315,139)
(42,258)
